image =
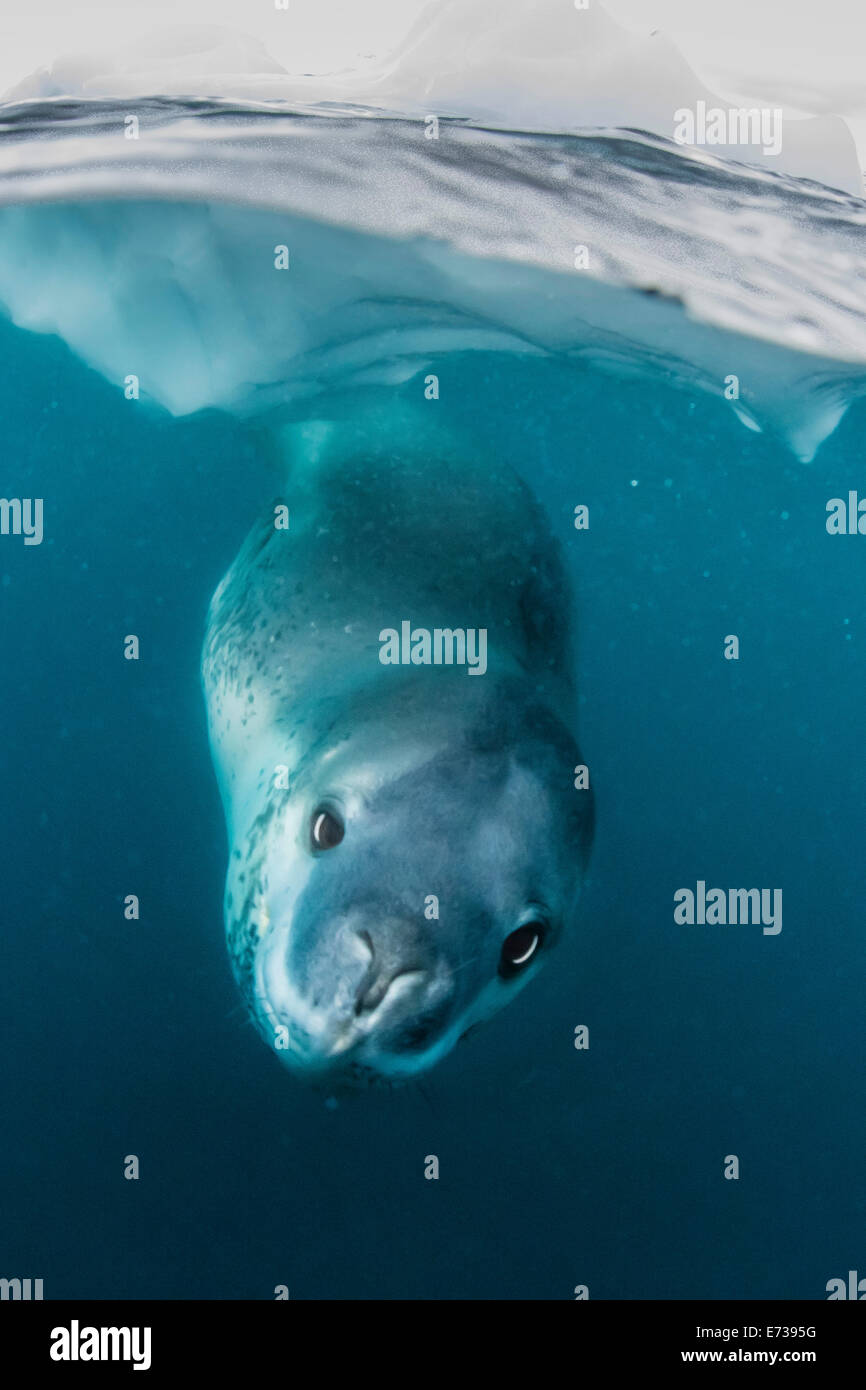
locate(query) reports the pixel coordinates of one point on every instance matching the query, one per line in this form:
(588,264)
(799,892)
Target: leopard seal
(406,843)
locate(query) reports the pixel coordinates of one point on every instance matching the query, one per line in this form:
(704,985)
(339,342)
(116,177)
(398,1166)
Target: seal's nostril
(370,993)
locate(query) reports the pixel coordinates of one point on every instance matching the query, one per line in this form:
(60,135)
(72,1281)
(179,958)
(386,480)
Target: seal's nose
(403,1000)
(389,973)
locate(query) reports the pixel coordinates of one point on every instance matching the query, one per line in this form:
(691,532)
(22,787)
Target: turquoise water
(558,1167)
(602,1166)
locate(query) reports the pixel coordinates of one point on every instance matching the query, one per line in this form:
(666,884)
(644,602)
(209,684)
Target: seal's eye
(326,830)
(520,948)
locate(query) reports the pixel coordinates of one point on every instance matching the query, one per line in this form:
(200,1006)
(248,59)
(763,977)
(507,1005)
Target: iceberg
(506,180)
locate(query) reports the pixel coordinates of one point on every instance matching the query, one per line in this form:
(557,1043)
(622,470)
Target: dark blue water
(558,1167)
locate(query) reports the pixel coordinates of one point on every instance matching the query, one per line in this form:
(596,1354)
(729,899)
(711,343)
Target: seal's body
(406,842)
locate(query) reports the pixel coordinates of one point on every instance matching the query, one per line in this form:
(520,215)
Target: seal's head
(410,883)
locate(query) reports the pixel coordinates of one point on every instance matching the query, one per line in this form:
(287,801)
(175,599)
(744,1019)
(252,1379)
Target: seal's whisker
(466,964)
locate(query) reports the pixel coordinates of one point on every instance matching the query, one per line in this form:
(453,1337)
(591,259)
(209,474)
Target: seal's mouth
(372,1008)
(373,1025)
